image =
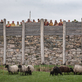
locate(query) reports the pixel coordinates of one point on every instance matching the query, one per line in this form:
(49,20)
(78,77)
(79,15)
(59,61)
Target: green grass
(38,77)
(47,67)
(50,66)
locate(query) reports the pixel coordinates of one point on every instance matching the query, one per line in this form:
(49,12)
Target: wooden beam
(42,40)
(23,42)
(4,36)
(64,41)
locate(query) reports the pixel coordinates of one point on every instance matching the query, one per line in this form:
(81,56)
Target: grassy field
(38,77)
(47,68)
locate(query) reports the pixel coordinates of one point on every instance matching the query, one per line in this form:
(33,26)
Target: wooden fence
(35,29)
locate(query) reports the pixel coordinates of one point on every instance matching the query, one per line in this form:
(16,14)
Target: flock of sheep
(27,70)
(23,69)
(58,70)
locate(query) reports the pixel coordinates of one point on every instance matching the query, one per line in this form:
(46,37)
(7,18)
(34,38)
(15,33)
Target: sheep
(65,69)
(12,69)
(29,70)
(55,71)
(26,69)
(52,72)
(22,69)
(71,70)
(77,69)
(31,67)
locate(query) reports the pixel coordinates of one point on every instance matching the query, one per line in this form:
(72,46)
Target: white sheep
(22,69)
(77,69)
(12,69)
(29,70)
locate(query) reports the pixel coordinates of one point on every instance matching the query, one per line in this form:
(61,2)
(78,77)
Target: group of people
(46,23)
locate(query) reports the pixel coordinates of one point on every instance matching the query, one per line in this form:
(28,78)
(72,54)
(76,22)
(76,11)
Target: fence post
(64,41)
(81,35)
(4,36)
(42,40)
(23,42)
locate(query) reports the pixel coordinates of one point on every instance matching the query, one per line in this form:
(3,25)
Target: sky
(18,10)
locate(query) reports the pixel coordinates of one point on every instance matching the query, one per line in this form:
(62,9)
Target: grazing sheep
(29,70)
(55,71)
(65,69)
(31,67)
(52,73)
(22,69)
(12,69)
(71,69)
(77,69)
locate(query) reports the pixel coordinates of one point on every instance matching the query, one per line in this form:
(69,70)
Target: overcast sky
(17,10)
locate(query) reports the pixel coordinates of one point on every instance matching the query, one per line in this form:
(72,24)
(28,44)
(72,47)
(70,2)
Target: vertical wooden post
(81,35)
(23,42)
(64,41)
(4,35)
(42,40)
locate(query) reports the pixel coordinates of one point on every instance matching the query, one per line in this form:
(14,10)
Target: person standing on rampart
(51,23)
(46,23)
(60,23)
(8,24)
(12,24)
(55,23)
